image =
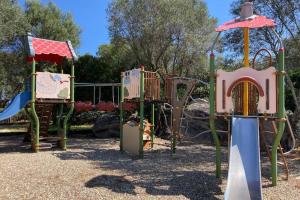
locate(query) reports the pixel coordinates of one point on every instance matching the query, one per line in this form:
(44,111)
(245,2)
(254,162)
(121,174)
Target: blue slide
(244,175)
(15,105)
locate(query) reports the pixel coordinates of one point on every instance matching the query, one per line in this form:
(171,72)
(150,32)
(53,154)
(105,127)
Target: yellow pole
(246,64)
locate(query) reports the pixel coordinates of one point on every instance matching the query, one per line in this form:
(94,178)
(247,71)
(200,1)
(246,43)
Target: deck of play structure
(247,98)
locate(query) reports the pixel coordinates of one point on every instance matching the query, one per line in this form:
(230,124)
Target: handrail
(257,53)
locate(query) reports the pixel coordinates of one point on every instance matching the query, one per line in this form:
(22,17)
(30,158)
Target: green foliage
(86,117)
(13,25)
(295,78)
(202,90)
(172,36)
(117,56)
(47,21)
(93,69)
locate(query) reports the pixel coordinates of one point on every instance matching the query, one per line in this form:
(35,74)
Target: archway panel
(267,89)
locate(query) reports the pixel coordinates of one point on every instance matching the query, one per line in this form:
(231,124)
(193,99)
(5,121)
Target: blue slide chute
(15,105)
(244,175)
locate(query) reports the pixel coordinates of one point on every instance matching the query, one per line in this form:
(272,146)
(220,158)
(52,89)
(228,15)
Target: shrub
(106,106)
(128,106)
(86,117)
(83,106)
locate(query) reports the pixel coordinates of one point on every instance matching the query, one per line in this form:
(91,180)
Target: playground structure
(142,86)
(172,87)
(137,85)
(259,95)
(44,91)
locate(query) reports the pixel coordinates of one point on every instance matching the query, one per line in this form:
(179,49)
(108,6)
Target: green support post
(281,115)
(153,123)
(63,141)
(141,146)
(121,111)
(212,114)
(59,119)
(60,115)
(35,119)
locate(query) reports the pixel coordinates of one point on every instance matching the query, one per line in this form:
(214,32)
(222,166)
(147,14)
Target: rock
(192,126)
(107,125)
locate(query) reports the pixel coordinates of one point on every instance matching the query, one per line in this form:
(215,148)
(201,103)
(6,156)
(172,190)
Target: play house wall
(52,86)
(132,84)
(264,80)
(132,81)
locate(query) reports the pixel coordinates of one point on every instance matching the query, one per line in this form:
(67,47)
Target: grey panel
(244,175)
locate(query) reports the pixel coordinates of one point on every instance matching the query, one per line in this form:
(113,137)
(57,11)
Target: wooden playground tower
(259,94)
(172,84)
(42,101)
(137,85)
(141,86)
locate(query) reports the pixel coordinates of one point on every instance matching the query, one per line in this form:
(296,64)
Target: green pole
(36,122)
(63,140)
(141,147)
(212,114)
(281,115)
(59,116)
(121,111)
(153,123)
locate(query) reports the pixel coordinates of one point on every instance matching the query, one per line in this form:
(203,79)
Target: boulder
(192,126)
(107,126)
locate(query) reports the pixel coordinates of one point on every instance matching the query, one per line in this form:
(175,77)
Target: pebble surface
(95,169)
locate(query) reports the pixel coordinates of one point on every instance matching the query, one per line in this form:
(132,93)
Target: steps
(44,112)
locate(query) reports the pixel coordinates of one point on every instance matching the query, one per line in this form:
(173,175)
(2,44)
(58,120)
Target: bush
(128,106)
(83,106)
(106,106)
(86,117)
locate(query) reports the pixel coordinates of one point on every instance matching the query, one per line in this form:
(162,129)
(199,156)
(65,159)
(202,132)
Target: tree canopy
(48,21)
(169,35)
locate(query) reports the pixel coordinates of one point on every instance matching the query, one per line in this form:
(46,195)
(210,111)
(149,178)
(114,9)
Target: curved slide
(15,105)
(244,175)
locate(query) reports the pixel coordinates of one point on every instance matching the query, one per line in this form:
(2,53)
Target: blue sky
(90,15)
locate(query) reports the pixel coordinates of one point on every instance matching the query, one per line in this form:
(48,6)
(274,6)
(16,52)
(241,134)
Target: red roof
(255,22)
(49,50)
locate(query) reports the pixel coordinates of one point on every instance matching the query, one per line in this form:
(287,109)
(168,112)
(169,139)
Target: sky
(90,15)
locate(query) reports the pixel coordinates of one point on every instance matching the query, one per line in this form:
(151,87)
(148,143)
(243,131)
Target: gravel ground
(95,169)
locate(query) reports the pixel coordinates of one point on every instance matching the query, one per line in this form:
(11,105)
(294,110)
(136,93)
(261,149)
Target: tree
(173,36)
(118,57)
(48,21)
(13,25)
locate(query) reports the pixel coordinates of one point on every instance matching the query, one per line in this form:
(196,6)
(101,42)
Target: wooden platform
(20,128)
